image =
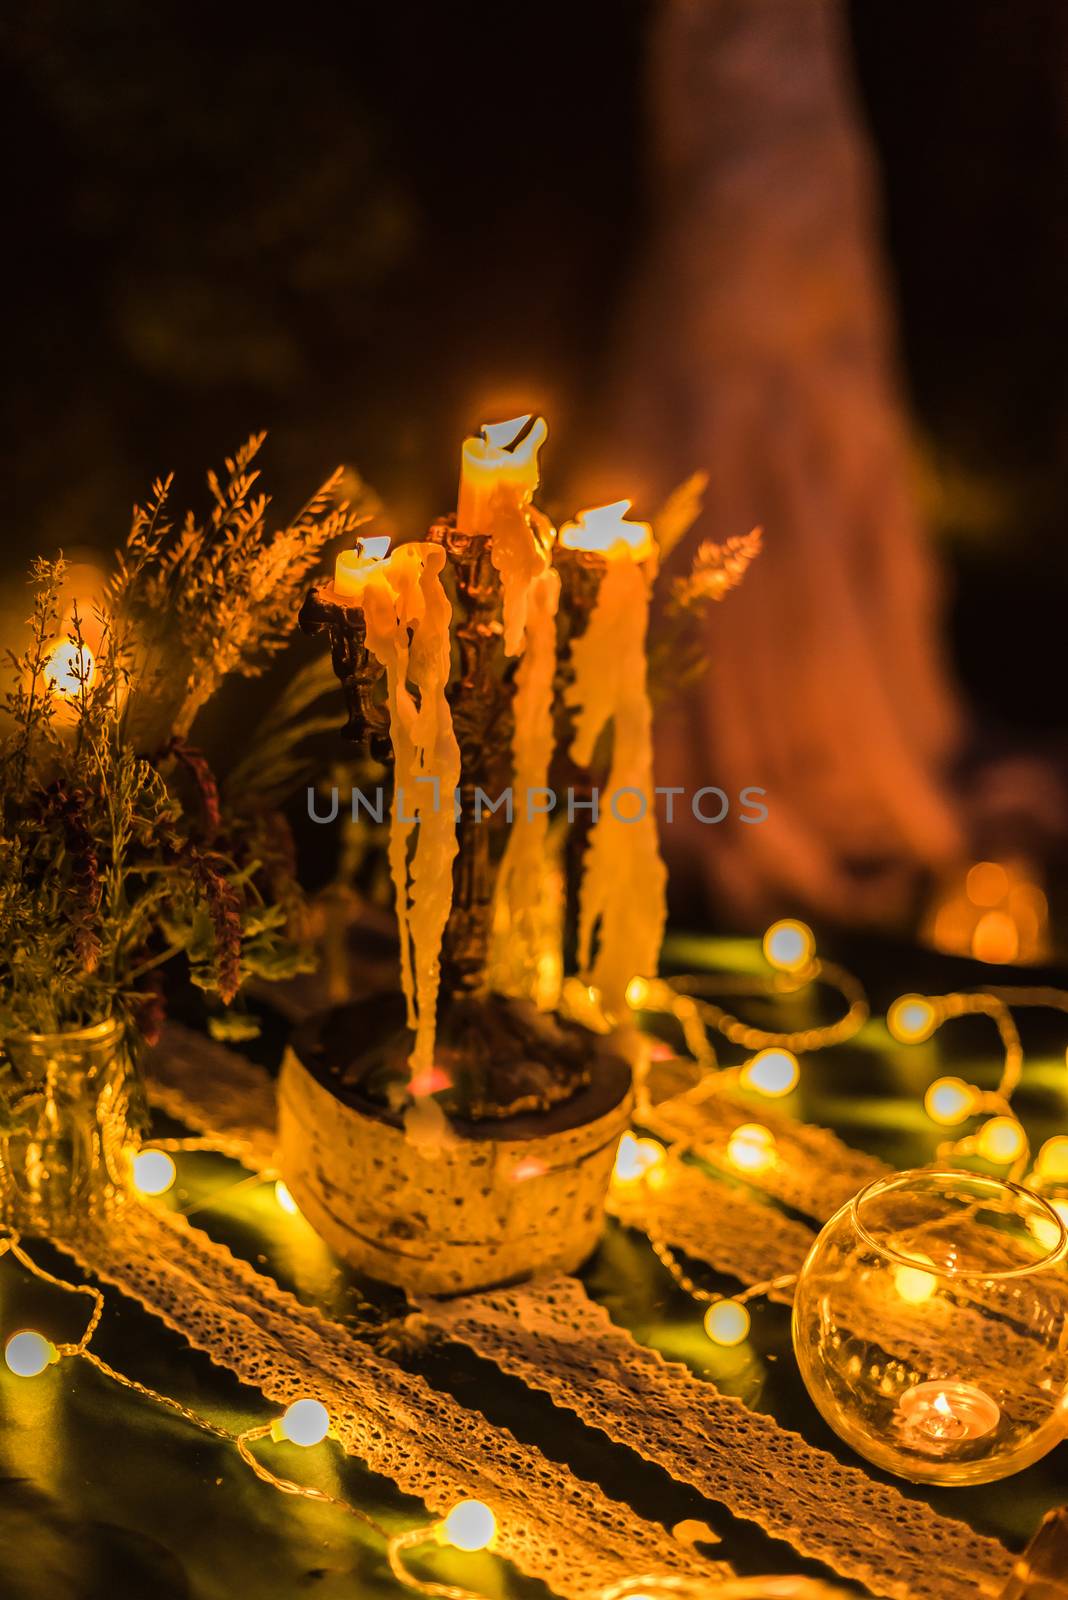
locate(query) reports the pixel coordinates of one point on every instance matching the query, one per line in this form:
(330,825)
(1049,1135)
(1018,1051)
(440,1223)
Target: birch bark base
(481,1210)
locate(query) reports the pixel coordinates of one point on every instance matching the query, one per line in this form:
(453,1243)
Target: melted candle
(622,902)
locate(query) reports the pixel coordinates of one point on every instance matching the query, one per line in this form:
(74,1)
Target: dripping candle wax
(622,902)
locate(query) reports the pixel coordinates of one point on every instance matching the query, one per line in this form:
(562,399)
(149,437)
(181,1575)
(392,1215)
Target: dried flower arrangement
(118,852)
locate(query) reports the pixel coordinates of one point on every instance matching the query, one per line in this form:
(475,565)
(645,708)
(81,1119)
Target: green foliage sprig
(117,851)
(217,594)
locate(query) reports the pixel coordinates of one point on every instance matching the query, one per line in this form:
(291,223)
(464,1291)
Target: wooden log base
(499,1200)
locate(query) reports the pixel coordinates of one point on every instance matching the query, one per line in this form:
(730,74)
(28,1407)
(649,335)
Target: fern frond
(716,570)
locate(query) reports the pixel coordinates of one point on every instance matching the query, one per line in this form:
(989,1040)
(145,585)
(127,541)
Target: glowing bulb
(637,993)
(751,1147)
(153,1172)
(1051,1162)
(772,1072)
(789,945)
(949,1101)
(469,1526)
(68,667)
(1001,1140)
(913,1284)
(912,1019)
(28,1354)
(987,883)
(306,1422)
(285,1199)
(727,1322)
(636,1157)
(996,938)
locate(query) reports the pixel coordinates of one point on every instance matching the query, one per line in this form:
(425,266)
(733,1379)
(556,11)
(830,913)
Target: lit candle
(606,529)
(498,476)
(938,1416)
(622,901)
(354,567)
(499,472)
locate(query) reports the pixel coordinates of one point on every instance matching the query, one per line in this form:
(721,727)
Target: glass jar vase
(931,1326)
(67,1102)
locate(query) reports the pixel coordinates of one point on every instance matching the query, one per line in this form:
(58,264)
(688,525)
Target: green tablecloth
(104,1497)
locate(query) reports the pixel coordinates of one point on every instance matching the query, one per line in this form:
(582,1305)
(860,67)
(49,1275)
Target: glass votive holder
(931,1326)
(771,1588)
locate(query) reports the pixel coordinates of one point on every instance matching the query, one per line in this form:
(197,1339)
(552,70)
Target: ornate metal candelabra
(505,1056)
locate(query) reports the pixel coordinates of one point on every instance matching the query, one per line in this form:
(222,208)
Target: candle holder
(931,1326)
(534,1101)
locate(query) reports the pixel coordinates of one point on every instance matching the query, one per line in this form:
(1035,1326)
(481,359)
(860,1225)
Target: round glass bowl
(931,1326)
(777,1588)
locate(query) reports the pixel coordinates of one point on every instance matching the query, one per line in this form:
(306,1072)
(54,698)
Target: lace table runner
(552,1524)
(553,1337)
(816,1172)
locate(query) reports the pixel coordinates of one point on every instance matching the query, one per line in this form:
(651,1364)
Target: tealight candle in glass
(931,1326)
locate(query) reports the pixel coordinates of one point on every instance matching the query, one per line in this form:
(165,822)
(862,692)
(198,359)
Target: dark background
(366,227)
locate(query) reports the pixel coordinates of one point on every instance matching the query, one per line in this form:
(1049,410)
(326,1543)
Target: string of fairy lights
(773,1071)
(468,1527)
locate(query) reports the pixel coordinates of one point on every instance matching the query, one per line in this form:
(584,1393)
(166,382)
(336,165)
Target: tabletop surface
(103,1496)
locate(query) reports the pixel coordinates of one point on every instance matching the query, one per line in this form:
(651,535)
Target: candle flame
(506,435)
(604,527)
(941,1404)
(518,439)
(375,549)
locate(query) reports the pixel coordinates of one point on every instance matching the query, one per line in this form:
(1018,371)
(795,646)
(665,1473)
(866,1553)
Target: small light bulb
(996,938)
(469,1526)
(751,1147)
(285,1199)
(1051,1162)
(636,1157)
(772,1072)
(28,1353)
(789,945)
(727,1322)
(911,1019)
(69,667)
(1001,1140)
(305,1422)
(153,1172)
(949,1101)
(637,993)
(913,1284)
